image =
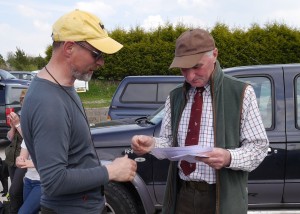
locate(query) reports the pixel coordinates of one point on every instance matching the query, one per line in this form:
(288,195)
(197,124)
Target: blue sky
(26,24)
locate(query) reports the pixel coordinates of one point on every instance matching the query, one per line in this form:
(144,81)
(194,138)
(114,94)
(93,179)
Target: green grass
(99,94)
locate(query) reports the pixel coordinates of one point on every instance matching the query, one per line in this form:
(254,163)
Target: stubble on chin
(82,76)
(85,77)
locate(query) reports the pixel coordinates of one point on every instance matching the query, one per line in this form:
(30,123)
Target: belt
(198,185)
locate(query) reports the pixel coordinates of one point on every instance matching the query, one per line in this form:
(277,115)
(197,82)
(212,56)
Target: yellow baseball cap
(79,25)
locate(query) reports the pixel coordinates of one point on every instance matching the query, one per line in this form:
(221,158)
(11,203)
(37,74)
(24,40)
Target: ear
(68,48)
(215,54)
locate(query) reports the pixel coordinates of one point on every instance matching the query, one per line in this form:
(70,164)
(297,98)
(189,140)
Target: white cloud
(190,21)
(31,42)
(43,26)
(28,11)
(152,22)
(289,17)
(35,17)
(28,25)
(96,7)
(199,4)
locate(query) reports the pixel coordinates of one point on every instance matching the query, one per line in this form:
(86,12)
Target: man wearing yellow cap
(210,109)
(55,126)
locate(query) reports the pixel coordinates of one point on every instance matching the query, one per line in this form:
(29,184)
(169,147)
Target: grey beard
(80,76)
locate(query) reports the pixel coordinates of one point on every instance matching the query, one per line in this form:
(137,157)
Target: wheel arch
(145,197)
(140,193)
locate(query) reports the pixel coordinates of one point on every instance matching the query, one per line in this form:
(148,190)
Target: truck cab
(276,180)
(273,185)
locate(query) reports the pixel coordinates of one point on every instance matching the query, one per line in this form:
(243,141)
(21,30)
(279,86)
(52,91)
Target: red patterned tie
(192,136)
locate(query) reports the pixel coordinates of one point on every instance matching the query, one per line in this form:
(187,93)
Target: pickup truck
(152,93)
(9,102)
(274,185)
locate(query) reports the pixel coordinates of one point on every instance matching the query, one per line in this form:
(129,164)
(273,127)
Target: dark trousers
(11,172)
(4,182)
(4,176)
(196,198)
(16,190)
(46,210)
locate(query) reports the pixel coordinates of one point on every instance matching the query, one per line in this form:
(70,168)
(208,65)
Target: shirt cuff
(156,145)
(234,159)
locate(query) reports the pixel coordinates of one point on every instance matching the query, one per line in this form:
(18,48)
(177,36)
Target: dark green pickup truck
(274,185)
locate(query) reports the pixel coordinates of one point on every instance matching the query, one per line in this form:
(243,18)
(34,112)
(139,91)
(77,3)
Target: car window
(13,95)
(2,95)
(262,87)
(164,90)
(7,75)
(297,89)
(146,93)
(16,75)
(26,77)
(158,115)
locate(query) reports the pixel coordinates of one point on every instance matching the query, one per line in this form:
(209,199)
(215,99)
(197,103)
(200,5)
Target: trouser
(11,172)
(46,210)
(196,198)
(31,196)
(16,190)
(4,176)
(4,182)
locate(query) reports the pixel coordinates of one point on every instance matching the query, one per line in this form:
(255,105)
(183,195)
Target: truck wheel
(119,200)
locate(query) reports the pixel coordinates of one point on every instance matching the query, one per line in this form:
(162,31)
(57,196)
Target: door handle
(271,150)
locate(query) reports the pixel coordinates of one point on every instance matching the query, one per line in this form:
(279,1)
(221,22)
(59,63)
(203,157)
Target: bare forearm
(10,134)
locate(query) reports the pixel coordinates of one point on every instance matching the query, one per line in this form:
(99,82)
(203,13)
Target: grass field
(99,94)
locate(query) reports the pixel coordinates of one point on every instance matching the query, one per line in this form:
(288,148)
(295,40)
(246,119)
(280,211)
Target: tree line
(151,52)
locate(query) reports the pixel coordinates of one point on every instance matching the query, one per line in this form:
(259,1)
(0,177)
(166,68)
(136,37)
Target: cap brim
(106,45)
(186,61)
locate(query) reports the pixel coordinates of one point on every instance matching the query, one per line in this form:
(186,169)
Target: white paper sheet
(187,153)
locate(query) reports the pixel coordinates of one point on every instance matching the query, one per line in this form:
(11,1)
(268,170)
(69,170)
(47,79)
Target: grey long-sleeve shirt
(58,139)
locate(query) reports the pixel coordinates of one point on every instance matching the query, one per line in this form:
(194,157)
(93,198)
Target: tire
(119,200)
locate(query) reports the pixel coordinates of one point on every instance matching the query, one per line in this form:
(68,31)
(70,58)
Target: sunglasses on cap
(95,54)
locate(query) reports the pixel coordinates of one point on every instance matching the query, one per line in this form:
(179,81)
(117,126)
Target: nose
(190,74)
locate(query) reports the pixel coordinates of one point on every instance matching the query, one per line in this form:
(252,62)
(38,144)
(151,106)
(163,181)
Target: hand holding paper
(187,153)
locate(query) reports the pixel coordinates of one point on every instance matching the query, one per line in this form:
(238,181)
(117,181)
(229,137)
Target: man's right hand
(122,169)
(142,144)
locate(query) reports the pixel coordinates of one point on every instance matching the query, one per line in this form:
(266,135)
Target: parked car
(81,86)
(9,102)
(6,77)
(23,75)
(138,96)
(273,185)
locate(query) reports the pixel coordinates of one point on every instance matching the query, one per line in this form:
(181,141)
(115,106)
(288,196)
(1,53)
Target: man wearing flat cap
(210,109)
(55,126)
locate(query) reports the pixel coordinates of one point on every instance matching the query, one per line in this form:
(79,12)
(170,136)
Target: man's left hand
(217,158)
